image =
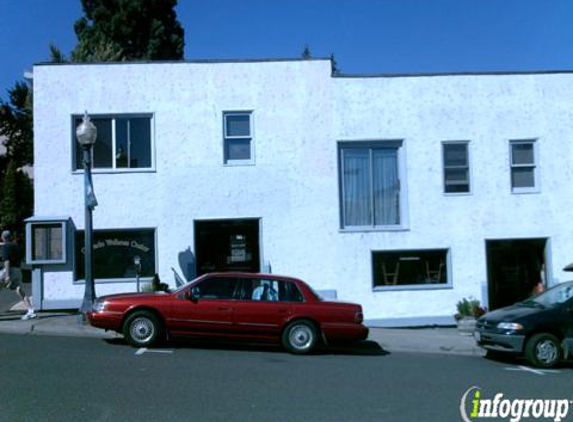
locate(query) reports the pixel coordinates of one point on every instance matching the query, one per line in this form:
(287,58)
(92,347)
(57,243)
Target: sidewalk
(422,340)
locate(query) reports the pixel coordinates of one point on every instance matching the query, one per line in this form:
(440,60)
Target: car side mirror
(190,296)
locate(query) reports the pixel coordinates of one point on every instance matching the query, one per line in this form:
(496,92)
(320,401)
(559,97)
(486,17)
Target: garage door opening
(514,268)
(227,245)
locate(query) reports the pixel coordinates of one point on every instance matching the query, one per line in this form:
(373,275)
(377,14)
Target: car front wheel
(300,337)
(141,329)
(543,350)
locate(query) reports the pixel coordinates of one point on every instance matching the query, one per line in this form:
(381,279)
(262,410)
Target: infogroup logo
(474,407)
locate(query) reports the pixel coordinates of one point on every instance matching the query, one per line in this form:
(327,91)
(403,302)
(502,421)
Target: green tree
(17,201)
(16,125)
(128,30)
(306,54)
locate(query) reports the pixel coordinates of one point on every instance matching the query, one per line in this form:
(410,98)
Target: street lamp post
(86,133)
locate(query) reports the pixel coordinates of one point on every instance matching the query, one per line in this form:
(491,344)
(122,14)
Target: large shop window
(123,142)
(419,268)
(370,184)
(114,252)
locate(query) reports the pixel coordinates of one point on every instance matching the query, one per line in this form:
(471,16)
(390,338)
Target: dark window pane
(238,149)
(238,125)
(140,142)
(404,268)
(523,177)
(121,142)
(113,253)
(455,155)
(47,242)
(522,154)
(102,149)
(215,288)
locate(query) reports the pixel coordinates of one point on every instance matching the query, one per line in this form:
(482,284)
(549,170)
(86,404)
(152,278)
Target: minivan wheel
(141,329)
(300,337)
(543,350)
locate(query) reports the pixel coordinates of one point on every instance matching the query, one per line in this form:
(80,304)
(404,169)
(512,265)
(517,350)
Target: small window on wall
(238,137)
(46,243)
(523,166)
(456,167)
(410,269)
(114,252)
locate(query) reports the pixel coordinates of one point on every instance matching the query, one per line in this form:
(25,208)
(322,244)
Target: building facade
(402,193)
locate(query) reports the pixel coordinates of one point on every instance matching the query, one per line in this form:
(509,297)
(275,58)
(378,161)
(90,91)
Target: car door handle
(222,308)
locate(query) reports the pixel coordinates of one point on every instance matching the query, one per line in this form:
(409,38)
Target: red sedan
(233,305)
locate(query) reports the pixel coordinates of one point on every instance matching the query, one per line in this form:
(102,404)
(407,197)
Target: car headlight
(510,326)
(100,306)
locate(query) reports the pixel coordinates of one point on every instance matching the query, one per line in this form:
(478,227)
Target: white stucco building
(404,193)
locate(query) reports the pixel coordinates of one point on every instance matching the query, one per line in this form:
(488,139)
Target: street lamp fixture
(86,134)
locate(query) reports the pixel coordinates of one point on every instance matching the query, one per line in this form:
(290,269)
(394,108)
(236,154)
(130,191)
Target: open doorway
(227,245)
(514,268)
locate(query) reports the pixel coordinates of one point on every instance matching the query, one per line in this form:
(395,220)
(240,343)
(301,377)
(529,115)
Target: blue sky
(366,36)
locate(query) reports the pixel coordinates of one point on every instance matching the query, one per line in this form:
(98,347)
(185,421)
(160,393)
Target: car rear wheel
(141,329)
(543,350)
(300,337)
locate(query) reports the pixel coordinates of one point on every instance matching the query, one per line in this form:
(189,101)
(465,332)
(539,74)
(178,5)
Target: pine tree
(16,124)
(128,30)
(17,202)
(306,54)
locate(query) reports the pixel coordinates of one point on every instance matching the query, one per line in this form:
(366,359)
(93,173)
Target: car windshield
(553,296)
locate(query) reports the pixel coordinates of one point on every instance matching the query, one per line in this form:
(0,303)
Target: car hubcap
(301,337)
(142,329)
(546,351)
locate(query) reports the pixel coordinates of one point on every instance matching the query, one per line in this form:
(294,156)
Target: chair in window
(434,275)
(391,278)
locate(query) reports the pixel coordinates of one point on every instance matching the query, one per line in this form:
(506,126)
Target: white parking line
(143,350)
(534,371)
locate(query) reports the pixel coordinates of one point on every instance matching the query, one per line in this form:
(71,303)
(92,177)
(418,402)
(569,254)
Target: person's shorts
(15,279)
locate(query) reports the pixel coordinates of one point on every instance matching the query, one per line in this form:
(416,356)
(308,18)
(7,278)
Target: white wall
(300,112)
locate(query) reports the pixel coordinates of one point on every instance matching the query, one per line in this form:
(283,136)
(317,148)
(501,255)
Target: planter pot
(467,324)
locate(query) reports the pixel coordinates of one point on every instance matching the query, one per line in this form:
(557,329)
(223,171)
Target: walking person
(11,276)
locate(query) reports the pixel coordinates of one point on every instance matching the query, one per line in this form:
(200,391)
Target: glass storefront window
(114,252)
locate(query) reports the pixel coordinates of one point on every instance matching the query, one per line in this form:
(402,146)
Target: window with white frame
(456,167)
(123,142)
(523,166)
(238,137)
(371,194)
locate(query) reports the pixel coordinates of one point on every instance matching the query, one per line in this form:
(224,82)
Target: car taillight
(358,317)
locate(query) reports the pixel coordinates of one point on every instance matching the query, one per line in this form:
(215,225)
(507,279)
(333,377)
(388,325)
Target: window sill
(239,163)
(116,171)
(412,287)
(142,280)
(373,229)
(521,191)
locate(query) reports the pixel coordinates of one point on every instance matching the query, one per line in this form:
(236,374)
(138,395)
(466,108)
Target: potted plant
(469,310)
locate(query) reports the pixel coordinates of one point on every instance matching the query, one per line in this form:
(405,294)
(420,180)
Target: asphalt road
(71,379)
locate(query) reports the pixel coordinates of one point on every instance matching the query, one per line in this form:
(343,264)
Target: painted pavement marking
(143,350)
(532,370)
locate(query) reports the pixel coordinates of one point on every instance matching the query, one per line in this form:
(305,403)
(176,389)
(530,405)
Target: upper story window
(123,142)
(523,166)
(456,167)
(238,137)
(371,193)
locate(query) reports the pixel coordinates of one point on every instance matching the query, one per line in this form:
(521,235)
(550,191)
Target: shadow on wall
(187,263)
